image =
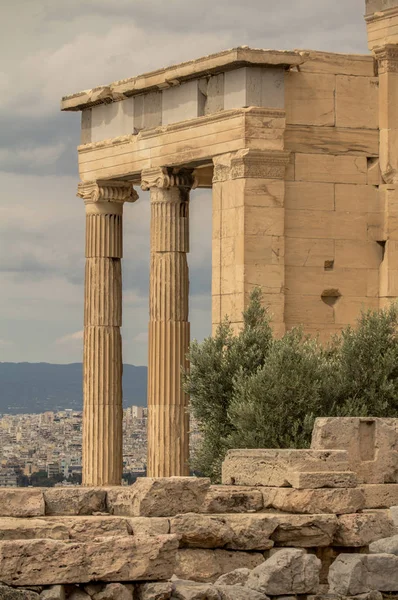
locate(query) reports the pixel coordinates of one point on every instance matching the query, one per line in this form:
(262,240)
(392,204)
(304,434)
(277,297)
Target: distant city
(46,449)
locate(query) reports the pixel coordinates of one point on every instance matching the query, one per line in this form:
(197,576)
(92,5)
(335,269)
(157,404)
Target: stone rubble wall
(283,523)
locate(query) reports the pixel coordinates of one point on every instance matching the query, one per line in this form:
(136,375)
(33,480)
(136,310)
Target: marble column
(102,360)
(168,422)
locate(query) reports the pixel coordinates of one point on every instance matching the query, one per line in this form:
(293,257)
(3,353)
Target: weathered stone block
(233,592)
(88,528)
(348,575)
(362,529)
(208,565)
(387,545)
(380,495)
(357,102)
(47,562)
(331,168)
(228,499)
(372,445)
(337,501)
(310,98)
(21,502)
(272,468)
(74,501)
(289,571)
(54,592)
(158,497)
(236,577)
(251,86)
(303,531)
(149,526)
(27,529)
(201,531)
(154,591)
(114,591)
(342,479)
(235,532)
(9,593)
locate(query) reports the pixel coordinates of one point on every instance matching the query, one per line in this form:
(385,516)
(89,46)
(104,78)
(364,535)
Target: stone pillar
(168,423)
(382,27)
(248,234)
(102,360)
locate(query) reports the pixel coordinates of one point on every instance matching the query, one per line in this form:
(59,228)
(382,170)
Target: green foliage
(252,391)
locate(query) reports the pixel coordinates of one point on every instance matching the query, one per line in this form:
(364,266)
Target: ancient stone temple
(300,149)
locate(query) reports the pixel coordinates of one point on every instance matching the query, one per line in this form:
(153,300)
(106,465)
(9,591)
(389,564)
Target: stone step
(80,528)
(147,497)
(272,468)
(245,532)
(112,559)
(322,479)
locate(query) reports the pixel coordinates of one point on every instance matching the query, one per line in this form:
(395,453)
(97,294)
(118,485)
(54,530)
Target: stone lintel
(264,164)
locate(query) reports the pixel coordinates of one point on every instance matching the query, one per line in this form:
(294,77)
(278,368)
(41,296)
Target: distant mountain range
(37,387)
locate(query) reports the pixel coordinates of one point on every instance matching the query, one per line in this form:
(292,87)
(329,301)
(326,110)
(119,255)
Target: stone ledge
(276,468)
(48,562)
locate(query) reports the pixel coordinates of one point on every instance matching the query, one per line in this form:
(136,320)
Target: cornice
(176,74)
(106,191)
(380,15)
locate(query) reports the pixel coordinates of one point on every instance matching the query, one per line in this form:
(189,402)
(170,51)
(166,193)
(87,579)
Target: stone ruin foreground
(300,150)
(311,522)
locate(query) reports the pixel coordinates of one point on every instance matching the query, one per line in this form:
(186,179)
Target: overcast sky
(51,48)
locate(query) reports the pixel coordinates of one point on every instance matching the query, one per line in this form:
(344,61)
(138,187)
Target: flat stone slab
(272,468)
(13,528)
(21,502)
(313,502)
(325,479)
(158,497)
(113,559)
(74,500)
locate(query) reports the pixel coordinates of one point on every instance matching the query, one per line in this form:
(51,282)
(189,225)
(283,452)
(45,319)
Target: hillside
(37,387)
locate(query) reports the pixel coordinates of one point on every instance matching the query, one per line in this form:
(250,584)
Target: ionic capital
(166,177)
(94,192)
(264,164)
(387,58)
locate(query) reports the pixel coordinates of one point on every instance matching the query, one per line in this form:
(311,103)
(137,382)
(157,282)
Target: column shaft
(102,359)
(102,365)
(168,423)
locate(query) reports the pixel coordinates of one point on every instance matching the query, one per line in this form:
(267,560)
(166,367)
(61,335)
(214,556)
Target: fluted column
(168,422)
(102,361)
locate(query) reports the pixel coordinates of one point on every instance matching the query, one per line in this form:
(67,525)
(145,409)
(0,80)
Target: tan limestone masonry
(327,502)
(300,150)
